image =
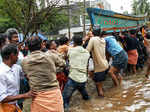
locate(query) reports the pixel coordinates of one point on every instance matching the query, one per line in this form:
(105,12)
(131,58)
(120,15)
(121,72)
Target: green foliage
(6,23)
(54,23)
(30,15)
(141,7)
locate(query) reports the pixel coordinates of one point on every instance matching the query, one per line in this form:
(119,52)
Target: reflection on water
(132,96)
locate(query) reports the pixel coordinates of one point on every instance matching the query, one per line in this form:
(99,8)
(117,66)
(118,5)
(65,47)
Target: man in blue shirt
(119,56)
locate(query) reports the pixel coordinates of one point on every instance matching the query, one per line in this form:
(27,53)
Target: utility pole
(84,30)
(69,19)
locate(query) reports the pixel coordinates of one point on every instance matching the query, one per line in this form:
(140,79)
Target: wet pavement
(132,96)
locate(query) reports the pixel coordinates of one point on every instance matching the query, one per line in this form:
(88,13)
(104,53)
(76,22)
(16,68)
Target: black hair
(77,40)
(34,43)
(57,42)
(96,31)
(133,32)
(7,50)
(49,43)
(45,41)
(10,32)
(2,39)
(63,40)
(116,35)
(103,33)
(148,35)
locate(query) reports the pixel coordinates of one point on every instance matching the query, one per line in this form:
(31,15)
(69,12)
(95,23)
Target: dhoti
(132,57)
(5,107)
(48,101)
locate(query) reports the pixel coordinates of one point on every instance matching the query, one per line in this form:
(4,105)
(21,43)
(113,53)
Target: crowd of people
(41,75)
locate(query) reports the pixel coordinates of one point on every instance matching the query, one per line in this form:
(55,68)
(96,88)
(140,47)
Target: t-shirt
(112,46)
(131,43)
(78,61)
(97,46)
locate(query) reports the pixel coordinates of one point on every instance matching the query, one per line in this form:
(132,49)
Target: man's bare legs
(99,86)
(134,69)
(148,71)
(112,72)
(119,77)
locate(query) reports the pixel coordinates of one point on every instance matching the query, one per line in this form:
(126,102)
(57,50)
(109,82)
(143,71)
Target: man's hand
(91,74)
(30,94)
(86,38)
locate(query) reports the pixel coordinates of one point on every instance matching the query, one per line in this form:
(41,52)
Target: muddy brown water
(132,96)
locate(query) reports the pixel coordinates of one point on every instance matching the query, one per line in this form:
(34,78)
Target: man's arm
(90,45)
(59,61)
(17,97)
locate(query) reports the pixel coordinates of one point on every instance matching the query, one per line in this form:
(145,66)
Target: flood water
(132,96)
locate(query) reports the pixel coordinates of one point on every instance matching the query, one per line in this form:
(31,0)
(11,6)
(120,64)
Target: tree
(125,12)
(30,15)
(134,7)
(55,23)
(5,21)
(141,7)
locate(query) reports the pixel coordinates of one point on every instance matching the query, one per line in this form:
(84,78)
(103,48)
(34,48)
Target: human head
(9,52)
(103,33)
(2,40)
(77,40)
(34,43)
(12,34)
(96,31)
(44,43)
(133,32)
(63,40)
(51,44)
(148,35)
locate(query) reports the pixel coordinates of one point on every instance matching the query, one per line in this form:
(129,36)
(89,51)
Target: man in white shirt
(13,38)
(10,77)
(12,34)
(78,62)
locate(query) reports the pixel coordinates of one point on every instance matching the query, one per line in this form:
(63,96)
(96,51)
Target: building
(91,3)
(96,3)
(77,28)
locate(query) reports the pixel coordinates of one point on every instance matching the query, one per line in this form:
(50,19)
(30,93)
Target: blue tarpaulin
(21,36)
(42,36)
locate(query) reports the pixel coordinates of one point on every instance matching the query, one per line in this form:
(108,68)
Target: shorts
(100,76)
(120,60)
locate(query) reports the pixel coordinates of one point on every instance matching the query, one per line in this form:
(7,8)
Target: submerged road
(132,96)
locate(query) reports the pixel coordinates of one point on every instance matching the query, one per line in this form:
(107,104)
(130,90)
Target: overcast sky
(117,4)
